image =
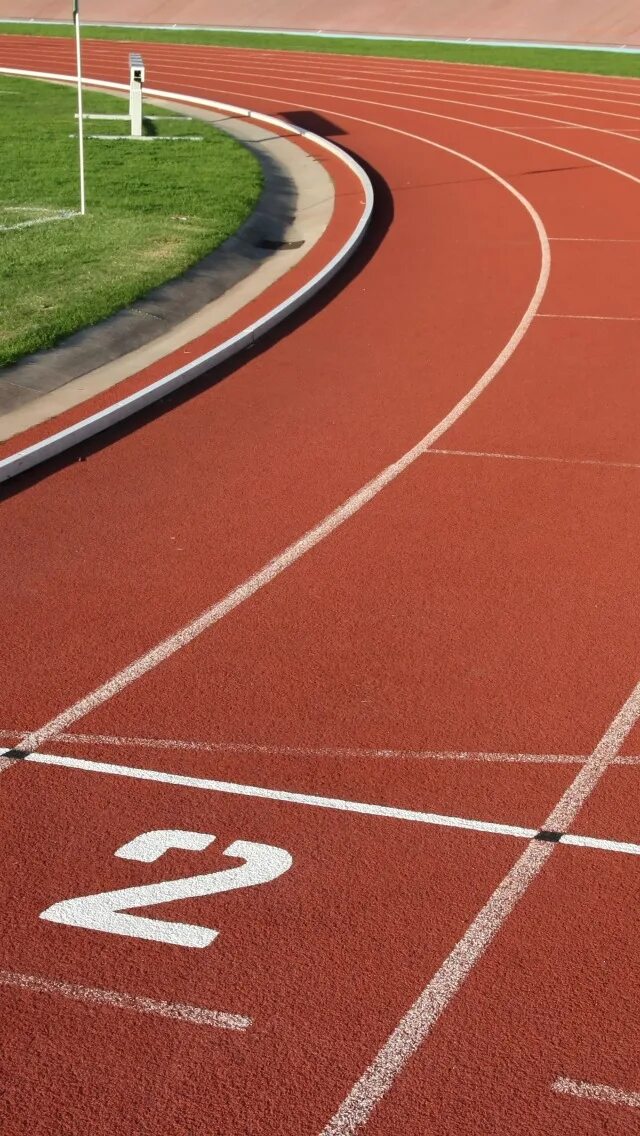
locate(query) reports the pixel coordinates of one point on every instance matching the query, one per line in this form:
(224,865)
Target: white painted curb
(95,423)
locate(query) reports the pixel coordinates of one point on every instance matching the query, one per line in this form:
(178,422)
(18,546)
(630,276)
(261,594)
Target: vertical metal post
(136,79)
(76,20)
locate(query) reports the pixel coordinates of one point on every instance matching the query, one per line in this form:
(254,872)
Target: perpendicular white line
(418,1021)
(603,1093)
(535,458)
(276,748)
(333,520)
(235,789)
(572,316)
(339,804)
(178,1011)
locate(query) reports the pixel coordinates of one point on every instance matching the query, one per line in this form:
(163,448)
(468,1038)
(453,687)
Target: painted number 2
(107,910)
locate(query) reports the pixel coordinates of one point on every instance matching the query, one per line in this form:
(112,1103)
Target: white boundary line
(338,804)
(535,458)
(64,215)
(602,1093)
(235,69)
(343,512)
(336,751)
(95,423)
(92,996)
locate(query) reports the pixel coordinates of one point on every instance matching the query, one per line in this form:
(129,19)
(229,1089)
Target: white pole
(76,20)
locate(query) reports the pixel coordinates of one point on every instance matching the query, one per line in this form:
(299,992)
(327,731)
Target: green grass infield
(546,58)
(153,209)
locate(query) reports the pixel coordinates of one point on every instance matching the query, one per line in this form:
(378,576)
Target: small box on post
(136,79)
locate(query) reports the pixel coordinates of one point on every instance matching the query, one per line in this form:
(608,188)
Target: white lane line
(599,240)
(419,1020)
(535,458)
(417,91)
(277,749)
(603,1093)
(333,520)
(287,88)
(235,789)
(601,845)
(588,158)
(363,808)
(195,1015)
(308,751)
(572,316)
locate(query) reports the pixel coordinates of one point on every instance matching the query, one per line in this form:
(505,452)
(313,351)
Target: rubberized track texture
(321,682)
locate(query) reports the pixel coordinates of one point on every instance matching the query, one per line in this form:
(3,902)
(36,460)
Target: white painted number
(106,911)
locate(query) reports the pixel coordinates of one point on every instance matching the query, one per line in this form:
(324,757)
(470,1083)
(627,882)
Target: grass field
(549,58)
(153,209)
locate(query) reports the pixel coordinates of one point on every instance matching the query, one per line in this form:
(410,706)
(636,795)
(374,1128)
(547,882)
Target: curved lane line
(330,80)
(95,423)
(333,520)
(297,89)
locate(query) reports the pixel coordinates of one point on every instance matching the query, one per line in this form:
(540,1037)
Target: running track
(463,644)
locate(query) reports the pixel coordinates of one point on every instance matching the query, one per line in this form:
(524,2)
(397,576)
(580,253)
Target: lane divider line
(95,423)
(363,808)
(603,1093)
(278,749)
(92,996)
(537,458)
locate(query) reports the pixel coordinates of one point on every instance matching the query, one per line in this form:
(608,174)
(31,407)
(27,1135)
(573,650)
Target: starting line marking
(362,807)
(602,1093)
(196,1015)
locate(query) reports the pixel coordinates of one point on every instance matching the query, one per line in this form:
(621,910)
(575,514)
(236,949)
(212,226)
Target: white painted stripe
(601,845)
(143,137)
(570,316)
(333,520)
(536,458)
(48,220)
(363,807)
(603,1093)
(419,1020)
(276,748)
(195,1015)
(586,780)
(106,117)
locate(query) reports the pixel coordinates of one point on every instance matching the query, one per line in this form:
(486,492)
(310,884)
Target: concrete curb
(58,442)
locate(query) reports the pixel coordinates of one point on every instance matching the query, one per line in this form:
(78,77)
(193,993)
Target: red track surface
(465,644)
